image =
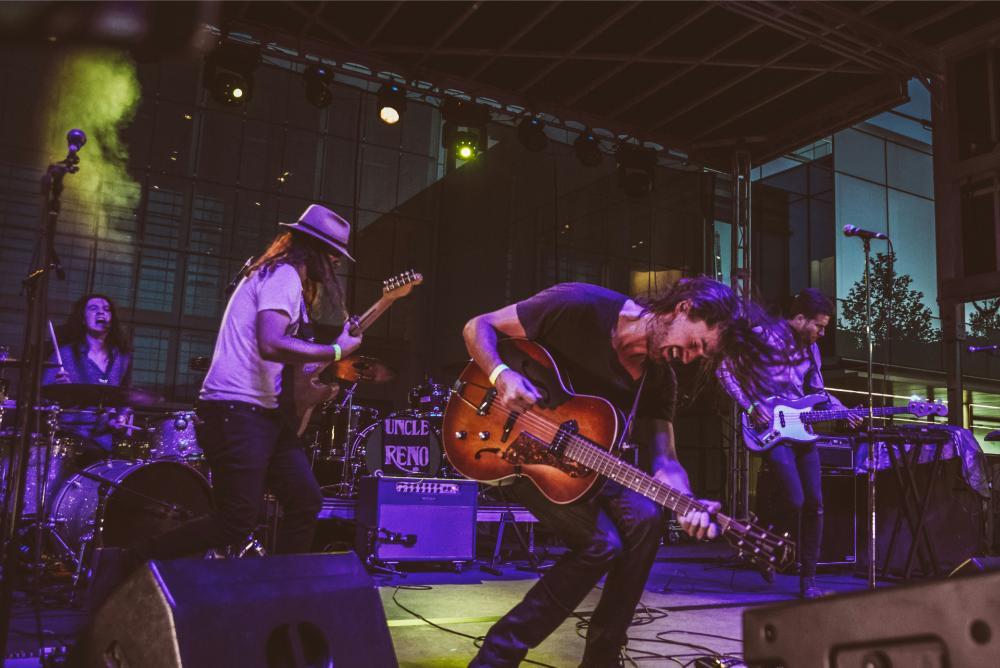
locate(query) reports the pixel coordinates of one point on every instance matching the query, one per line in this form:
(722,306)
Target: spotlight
(228,74)
(391,103)
(636,167)
(317,77)
(531,133)
(464,132)
(587,149)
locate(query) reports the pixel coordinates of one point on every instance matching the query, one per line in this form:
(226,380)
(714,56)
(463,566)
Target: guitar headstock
(402,284)
(925,408)
(760,546)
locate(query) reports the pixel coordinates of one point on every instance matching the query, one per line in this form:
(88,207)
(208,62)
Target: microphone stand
(36,285)
(872,459)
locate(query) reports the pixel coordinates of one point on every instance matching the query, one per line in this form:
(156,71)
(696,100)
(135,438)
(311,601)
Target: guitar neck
(368,318)
(844,413)
(593,457)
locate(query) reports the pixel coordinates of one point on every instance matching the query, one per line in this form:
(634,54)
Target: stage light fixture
(464,132)
(228,74)
(466,145)
(391,103)
(588,149)
(636,169)
(318,77)
(531,134)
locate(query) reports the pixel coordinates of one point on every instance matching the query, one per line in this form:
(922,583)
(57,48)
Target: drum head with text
(403,445)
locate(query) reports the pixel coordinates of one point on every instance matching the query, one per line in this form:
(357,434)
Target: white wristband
(337,352)
(497,370)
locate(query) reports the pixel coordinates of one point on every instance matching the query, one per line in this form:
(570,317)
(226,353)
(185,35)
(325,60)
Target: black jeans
(800,503)
(249,450)
(616,532)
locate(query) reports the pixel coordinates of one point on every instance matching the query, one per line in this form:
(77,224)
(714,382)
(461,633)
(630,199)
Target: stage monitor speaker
(943,624)
(288,611)
(417,519)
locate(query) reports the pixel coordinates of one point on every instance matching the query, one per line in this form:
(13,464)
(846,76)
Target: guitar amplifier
(416,519)
(835,452)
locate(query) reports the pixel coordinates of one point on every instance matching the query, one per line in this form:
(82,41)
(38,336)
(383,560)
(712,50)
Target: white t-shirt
(238,373)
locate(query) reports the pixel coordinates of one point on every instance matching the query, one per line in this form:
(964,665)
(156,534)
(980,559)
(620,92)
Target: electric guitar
(307,390)
(563,443)
(792,419)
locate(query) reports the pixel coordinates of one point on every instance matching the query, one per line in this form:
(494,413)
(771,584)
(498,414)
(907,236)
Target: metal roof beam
(603,28)
(383,22)
(455,25)
(325,25)
(504,50)
(629,60)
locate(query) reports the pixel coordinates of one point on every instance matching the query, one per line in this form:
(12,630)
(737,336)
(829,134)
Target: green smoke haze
(96,90)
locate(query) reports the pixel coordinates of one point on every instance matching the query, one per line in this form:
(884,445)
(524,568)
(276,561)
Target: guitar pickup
(487,402)
(508,426)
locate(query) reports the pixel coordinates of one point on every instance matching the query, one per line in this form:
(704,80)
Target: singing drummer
(93,349)
(247,444)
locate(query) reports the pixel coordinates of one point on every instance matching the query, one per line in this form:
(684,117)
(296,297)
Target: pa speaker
(942,624)
(289,611)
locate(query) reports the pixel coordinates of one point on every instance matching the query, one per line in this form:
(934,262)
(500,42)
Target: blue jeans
(249,450)
(616,532)
(800,501)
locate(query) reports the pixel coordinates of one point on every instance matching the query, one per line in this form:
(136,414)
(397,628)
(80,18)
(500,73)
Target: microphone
(236,279)
(855,231)
(76,138)
(984,349)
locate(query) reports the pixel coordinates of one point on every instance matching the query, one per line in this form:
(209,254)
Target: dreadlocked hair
(743,328)
(301,250)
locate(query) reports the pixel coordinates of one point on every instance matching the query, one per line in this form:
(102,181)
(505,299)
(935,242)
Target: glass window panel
(379,178)
(114,271)
(911,228)
(209,220)
(157,280)
(151,346)
(204,284)
(164,216)
(302,164)
(191,344)
(858,203)
(860,154)
(256,223)
(272,94)
(421,129)
(339,170)
(178,80)
(342,114)
(910,170)
(260,159)
(173,147)
(416,172)
(219,146)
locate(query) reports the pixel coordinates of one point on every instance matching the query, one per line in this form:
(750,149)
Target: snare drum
(429,398)
(402,444)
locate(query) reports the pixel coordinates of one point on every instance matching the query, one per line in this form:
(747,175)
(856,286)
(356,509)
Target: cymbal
(16,361)
(362,369)
(87,394)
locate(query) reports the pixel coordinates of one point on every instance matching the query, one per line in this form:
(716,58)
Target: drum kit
(353,440)
(79,497)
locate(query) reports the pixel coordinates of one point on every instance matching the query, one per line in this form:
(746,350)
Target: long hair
(747,333)
(302,250)
(74,329)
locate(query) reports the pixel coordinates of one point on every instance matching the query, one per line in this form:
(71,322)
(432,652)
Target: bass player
(611,346)
(795,465)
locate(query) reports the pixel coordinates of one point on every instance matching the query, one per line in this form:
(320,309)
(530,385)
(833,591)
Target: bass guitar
(307,390)
(563,443)
(792,419)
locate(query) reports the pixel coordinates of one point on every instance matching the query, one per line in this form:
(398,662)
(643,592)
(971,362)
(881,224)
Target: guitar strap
(627,429)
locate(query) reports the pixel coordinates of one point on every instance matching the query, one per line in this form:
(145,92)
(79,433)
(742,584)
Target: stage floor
(692,590)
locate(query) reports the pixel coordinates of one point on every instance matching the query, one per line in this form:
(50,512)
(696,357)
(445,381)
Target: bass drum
(400,445)
(150,498)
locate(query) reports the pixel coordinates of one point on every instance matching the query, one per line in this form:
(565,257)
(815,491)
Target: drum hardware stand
(346,486)
(374,536)
(36,286)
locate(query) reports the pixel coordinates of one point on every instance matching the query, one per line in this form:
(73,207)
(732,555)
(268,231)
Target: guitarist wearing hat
(795,465)
(613,347)
(249,446)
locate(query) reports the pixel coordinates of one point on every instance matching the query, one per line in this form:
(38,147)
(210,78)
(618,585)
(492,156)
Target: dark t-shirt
(573,321)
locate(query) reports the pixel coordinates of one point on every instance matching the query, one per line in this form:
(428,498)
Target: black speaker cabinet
(289,611)
(944,624)
(839,544)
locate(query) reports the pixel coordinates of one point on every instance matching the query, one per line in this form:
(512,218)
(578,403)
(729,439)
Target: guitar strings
(765,541)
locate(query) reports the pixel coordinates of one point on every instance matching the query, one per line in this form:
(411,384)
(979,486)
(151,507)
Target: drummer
(94,350)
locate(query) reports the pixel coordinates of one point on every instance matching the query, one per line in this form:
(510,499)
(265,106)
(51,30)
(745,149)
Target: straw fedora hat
(321,223)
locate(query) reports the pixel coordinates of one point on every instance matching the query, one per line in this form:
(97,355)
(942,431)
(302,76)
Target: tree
(894,303)
(985,322)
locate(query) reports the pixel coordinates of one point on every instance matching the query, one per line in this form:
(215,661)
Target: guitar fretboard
(844,413)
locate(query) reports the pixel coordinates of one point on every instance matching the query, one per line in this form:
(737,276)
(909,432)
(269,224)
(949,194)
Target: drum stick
(55,342)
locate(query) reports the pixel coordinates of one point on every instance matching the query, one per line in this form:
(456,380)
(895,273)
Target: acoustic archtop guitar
(307,390)
(563,443)
(792,419)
